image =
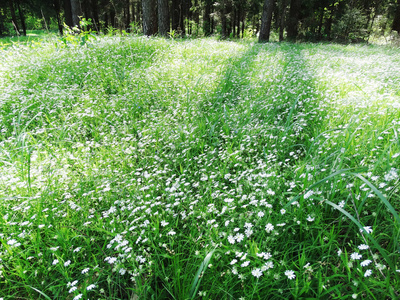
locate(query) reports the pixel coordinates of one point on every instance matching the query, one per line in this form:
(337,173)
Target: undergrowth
(144,168)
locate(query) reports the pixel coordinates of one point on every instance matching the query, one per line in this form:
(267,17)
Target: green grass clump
(144,168)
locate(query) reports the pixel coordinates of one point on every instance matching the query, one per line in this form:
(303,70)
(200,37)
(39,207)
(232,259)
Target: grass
(144,168)
(32,37)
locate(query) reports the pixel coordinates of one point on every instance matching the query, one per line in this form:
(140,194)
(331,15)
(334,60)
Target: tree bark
(175,13)
(189,16)
(266,20)
(13,16)
(224,26)
(21,17)
(396,20)
(243,22)
(163,17)
(139,16)
(293,22)
(238,13)
(75,12)
(57,9)
(128,15)
(182,16)
(95,13)
(133,13)
(196,15)
(320,23)
(2,29)
(233,22)
(241,12)
(105,20)
(282,19)
(68,13)
(112,16)
(149,17)
(207,18)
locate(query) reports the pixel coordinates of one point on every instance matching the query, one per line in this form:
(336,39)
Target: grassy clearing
(32,37)
(157,169)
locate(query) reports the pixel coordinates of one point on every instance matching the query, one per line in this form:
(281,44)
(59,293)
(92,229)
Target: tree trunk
(188,16)
(175,13)
(21,17)
(182,16)
(241,12)
(149,17)
(266,19)
(13,16)
(57,9)
(85,10)
(282,19)
(139,16)
(196,15)
(228,13)
(233,23)
(396,20)
(320,23)
(224,26)
(105,20)
(128,15)
(95,13)
(293,22)
(2,29)
(112,17)
(68,13)
(133,13)
(243,22)
(207,18)
(163,17)
(75,12)
(212,22)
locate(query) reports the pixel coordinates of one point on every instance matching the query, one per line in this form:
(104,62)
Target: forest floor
(145,168)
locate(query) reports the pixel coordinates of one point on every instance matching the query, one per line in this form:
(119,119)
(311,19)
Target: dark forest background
(310,20)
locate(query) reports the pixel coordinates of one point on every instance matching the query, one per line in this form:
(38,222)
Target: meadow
(144,168)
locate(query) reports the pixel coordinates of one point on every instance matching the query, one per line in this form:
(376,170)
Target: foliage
(144,168)
(135,28)
(78,36)
(351,26)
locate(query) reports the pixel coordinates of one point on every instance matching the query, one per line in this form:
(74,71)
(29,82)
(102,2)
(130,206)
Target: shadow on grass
(279,116)
(287,101)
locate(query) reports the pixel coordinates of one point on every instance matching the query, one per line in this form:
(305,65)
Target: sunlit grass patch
(199,169)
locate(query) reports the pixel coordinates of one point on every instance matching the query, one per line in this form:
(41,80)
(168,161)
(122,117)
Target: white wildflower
(290,274)
(355,256)
(368,273)
(269,227)
(256,273)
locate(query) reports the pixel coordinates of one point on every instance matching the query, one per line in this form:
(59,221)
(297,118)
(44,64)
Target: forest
(307,20)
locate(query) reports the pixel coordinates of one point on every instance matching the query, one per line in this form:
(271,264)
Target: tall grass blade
(383,198)
(40,292)
(322,181)
(197,278)
(381,251)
